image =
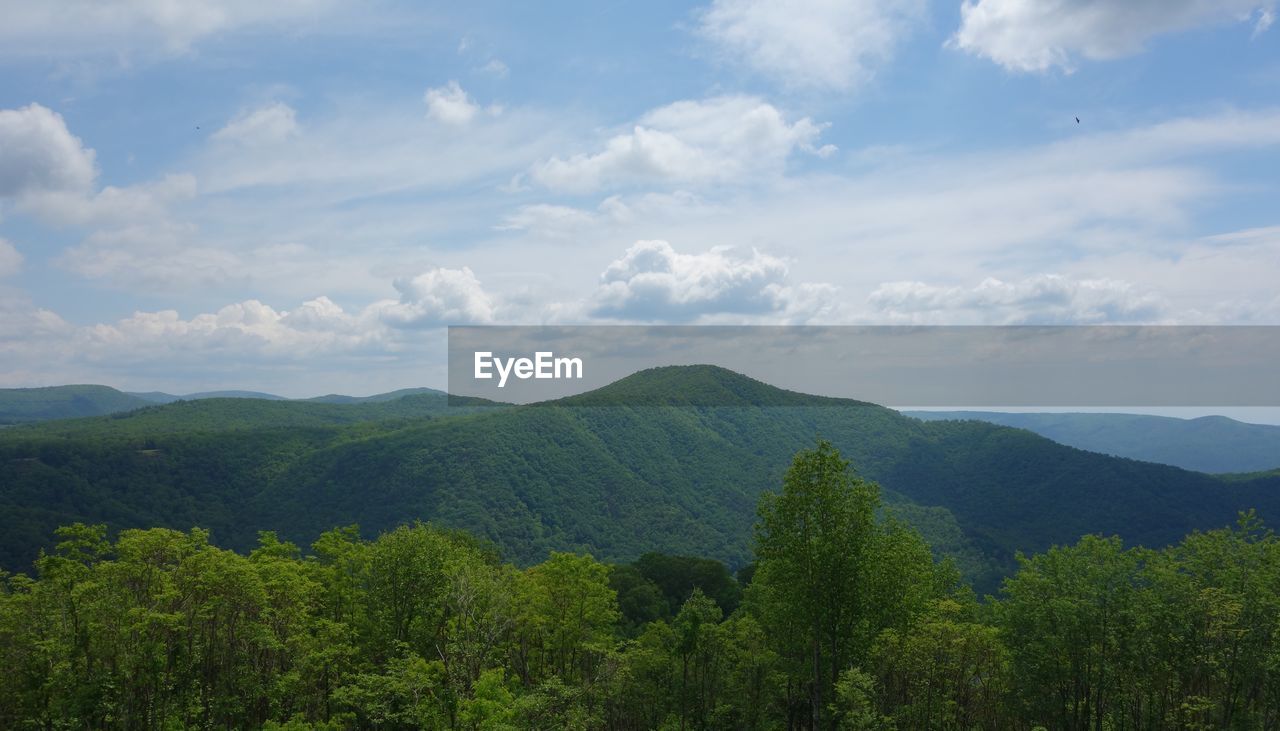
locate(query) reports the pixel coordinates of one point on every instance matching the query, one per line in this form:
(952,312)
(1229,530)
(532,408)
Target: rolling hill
(160,397)
(26,405)
(669,459)
(1207,444)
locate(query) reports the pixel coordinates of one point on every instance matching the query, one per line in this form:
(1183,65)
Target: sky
(298,196)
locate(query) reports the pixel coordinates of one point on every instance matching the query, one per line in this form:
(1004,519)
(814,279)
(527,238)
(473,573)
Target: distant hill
(161,397)
(220,415)
(25,405)
(334,398)
(1207,444)
(669,459)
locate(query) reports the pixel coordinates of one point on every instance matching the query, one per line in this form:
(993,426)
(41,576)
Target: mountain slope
(249,414)
(25,405)
(615,472)
(1207,444)
(160,397)
(335,398)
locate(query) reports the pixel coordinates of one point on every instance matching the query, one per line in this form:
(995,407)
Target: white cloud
(825,44)
(547,219)
(244,329)
(724,139)
(1037,36)
(85,27)
(248,341)
(23,324)
(654,283)
(161,256)
(617,212)
(438,297)
(112,206)
(450,104)
(38,153)
(495,68)
(10,259)
(1042,299)
(270,124)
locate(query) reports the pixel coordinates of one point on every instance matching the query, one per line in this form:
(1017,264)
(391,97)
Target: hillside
(25,405)
(1213,444)
(614,472)
(335,398)
(208,415)
(160,397)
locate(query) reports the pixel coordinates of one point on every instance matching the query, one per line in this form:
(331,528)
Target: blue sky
(297,196)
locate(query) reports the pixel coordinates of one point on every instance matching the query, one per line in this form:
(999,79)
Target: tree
(567,618)
(813,546)
(1068,617)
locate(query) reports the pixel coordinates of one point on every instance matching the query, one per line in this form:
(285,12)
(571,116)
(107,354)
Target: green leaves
(848,622)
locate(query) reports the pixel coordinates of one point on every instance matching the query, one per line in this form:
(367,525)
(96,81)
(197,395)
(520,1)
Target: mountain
(221,415)
(669,459)
(161,397)
(335,398)
(25,405)
(1206,444)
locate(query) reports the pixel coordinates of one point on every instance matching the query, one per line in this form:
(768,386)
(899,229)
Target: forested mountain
(1207,444)
(844,620)
(335,398)
(161,397)
(24,405)
(669,459)
(28,405)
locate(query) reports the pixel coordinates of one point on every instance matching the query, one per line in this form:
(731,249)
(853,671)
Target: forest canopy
(845,620)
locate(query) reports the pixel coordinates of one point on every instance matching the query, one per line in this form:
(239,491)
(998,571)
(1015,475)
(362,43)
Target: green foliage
(830,577)
(1205,444)
(423,627)
(27,405)
(606,474)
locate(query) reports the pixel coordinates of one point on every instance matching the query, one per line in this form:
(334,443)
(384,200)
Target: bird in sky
(1077,120)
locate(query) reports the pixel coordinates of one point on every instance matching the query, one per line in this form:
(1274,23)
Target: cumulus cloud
(438,297)
(112,206)
(272,123)
(244,328)
(50,174)
(724,139)
(239,337)
(450,104)
(830,44)
(653,282)
(1038,36)
(81,27)
(1042,299)
(10,259)
(38,153)
(23,324)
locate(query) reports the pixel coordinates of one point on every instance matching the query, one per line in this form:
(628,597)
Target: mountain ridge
(593,473)
(1213,444)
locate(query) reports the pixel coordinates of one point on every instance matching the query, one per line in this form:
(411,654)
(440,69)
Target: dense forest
(1213,444)
(843,620)
(26,405)
(670,459)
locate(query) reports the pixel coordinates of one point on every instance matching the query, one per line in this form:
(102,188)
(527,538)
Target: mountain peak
(693,385)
